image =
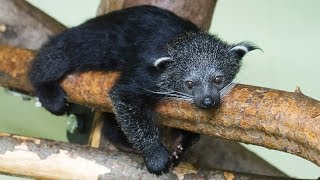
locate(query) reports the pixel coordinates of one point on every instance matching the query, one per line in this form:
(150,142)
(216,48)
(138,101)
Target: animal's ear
(241,49)
(162,63)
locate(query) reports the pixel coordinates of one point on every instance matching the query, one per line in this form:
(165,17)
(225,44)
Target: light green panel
(70,12)
(4,177)
(288,33)
(22,117)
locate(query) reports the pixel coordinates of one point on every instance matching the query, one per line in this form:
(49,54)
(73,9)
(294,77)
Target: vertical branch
(23,25)
(106,6)
(199,12)
(97,124)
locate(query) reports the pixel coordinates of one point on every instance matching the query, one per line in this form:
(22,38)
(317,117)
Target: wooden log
(23,25)
(44,159)
(199,12)
(212,153)
(217,153)
(286,121)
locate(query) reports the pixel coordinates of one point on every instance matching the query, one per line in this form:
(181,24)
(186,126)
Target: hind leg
(112,132)
(66,53)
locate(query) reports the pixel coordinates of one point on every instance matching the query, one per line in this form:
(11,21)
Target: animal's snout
(207,102)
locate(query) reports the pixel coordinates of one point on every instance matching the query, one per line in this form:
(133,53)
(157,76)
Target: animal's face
(199,68)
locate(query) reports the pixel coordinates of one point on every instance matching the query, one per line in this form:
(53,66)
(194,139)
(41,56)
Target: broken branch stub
(286,121)
(24,25)
(199,12)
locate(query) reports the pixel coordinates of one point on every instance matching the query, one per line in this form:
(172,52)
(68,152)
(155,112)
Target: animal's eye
(218,79)
(189,84)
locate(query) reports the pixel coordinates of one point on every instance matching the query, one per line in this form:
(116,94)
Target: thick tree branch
(40,158)
(274,119)
(199,12)
(25,26)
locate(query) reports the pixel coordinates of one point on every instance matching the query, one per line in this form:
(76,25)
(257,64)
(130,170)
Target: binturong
(200,67)
(160,56)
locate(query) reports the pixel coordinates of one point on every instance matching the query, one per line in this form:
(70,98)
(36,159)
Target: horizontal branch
(46,159)
(274,119)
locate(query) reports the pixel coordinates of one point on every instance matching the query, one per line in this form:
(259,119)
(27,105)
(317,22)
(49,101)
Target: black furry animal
(161,56)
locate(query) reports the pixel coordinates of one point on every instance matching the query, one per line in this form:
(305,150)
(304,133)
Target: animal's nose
(207,102)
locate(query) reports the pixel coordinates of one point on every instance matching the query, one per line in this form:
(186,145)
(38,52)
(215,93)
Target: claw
(180,147)
(175,155)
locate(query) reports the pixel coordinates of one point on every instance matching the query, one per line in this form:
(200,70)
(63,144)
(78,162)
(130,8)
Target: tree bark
(214,153)
(217,153)
(23,25)
(46,159)
(199,12)
(286,121)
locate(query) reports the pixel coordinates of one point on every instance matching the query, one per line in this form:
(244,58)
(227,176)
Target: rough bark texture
(286,121)
(106,6)
(46,159)
(215,153)
(25,26)
(14,64)
(199,12)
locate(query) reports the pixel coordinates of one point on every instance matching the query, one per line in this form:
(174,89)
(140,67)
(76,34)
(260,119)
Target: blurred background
(286,30)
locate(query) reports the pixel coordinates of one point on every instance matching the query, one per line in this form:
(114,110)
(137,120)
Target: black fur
(130,41)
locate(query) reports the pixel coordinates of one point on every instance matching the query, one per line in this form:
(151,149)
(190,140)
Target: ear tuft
(162,62)
(239,50)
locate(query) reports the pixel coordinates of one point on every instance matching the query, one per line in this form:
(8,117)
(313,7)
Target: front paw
(52,97)
(159,162)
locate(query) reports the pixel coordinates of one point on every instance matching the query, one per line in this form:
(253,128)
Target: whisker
(156,92)
(179,99)
(171,93)
(181,93)
(179,96)
(226,90)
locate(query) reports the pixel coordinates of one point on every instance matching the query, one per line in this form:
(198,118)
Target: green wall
(286,30)
(288,33)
